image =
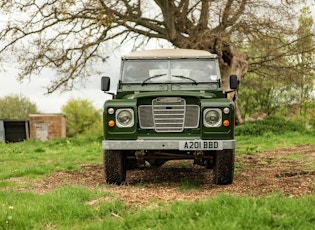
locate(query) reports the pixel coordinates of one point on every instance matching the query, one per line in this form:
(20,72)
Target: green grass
(189,185)
(62,208)
(271,133)
(252,144)
(33,159)
(36,158)
(73,208)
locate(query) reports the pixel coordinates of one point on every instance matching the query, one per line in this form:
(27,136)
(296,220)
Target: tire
(114,167)
(224,167)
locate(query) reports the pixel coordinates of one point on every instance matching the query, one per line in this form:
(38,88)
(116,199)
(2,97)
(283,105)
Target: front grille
(168,114)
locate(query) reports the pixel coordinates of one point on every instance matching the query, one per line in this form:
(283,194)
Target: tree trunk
(231,61)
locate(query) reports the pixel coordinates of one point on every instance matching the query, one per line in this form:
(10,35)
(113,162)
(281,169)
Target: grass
(63,208)
(189,185)
(36,158)
(252,144)
(33,159)
(70,208)
(73,207)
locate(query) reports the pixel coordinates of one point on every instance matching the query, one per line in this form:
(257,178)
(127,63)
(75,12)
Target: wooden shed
(14,130)
(47,126)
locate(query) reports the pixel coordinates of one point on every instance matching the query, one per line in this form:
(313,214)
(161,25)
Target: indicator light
(226,123)
(111,123)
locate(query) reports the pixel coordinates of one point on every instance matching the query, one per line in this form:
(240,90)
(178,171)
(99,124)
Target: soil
(290,171)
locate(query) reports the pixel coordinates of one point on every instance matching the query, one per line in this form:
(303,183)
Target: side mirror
(105,84)
(233,82)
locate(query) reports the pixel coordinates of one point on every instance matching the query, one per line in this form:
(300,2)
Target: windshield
(169,71)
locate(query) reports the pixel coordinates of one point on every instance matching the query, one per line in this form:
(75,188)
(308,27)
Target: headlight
(212,117)
(124,118)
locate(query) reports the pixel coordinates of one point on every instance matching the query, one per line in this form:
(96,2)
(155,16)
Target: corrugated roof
(170,53)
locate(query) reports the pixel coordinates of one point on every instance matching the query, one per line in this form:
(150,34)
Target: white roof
(170,53)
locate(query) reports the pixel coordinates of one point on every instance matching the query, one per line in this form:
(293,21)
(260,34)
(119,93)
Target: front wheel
(114,166)
(224,167)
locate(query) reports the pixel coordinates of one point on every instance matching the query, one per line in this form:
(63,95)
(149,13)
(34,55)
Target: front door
(42,131)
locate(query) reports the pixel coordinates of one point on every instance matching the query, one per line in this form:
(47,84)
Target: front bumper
(192,145)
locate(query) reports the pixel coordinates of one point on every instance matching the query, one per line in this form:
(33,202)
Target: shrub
(81,116)
(271,124)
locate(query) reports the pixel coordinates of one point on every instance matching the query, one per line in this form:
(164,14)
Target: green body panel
(219,132)
(203,99)
(156,90)
(116,133)
(155,94)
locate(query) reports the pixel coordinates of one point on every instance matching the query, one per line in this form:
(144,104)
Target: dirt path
(290,171)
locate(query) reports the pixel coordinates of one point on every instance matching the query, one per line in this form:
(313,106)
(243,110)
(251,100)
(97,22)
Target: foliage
(81,116)
(268,87)
(258,93)
(85,30)
(304,83)
(285,76)
(308,113)
(16,107)
(96,129)
(271,124)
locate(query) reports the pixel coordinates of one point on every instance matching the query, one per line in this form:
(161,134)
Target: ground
(290,171)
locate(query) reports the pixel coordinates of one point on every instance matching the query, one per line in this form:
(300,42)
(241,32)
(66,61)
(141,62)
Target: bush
(16,107)
(271,124)
(81,116)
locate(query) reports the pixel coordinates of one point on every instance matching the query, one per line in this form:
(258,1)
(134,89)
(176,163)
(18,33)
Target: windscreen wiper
(154,76)
(187,78)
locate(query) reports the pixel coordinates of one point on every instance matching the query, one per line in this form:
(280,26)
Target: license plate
(200,145)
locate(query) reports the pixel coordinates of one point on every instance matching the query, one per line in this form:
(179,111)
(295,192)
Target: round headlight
(212,117)
(124,118)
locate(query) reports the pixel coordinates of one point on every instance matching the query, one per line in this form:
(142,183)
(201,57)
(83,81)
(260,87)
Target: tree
(81,116)
(305,57)
(284,81)
(16,107)
(266,88)
(73,35)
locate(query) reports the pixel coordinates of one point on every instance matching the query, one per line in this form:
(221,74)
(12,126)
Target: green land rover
(169,105)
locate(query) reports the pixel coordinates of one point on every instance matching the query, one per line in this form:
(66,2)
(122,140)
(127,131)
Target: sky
(35,89)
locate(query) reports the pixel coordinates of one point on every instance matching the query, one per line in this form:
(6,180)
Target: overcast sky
(35,89)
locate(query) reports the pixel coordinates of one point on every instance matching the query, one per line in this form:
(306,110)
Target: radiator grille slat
(168,114)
